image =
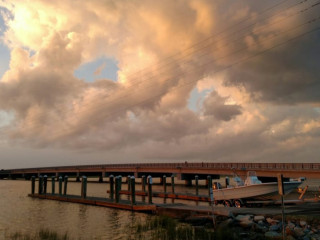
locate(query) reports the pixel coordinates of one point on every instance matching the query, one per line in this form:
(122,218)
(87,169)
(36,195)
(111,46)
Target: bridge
(183,171)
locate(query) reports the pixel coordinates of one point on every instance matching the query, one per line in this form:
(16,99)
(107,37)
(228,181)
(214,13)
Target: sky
(103,81)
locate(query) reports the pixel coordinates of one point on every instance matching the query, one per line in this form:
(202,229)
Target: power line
(148,98)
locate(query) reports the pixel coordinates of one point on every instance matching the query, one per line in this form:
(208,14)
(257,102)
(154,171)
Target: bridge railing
(239,166)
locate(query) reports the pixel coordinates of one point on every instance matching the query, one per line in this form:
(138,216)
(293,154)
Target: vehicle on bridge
(252,189)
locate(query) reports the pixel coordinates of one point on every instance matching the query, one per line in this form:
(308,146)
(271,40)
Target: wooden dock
(95,201)
(181,196)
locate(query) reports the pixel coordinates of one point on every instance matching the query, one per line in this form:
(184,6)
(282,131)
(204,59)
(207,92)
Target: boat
(251,189)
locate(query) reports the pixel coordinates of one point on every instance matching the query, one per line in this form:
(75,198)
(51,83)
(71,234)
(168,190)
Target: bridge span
(183,171)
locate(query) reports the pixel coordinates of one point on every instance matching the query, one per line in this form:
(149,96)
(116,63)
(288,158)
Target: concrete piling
(111,180)
(60,185)
(65,185)
(150,189)
(33,184)
(84,187)
(53,185)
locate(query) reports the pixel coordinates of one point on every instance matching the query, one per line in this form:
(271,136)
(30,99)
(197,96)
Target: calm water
(26,215)
(20,213)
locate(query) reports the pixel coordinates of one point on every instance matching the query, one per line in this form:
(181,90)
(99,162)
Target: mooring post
(129,182)
(53,184)
(101,179)
(143,183)
(40,189)
(227,181)
(33,184)
(209,184)
(60,185)
(149,189)
(117,188)
(172,183)
(111,180)
(65,185)
(120,182)
(45,182)
(84,187)
(197,184)
(133,190)
(164,181)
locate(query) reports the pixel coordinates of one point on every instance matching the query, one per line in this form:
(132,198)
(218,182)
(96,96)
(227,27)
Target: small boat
(251,189)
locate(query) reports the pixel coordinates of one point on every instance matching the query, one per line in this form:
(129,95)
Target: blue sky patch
(101,68)
(196,99)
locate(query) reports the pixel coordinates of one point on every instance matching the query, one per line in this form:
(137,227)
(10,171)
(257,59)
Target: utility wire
(158,94)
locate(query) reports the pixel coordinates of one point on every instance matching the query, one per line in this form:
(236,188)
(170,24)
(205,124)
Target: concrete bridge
(183,171)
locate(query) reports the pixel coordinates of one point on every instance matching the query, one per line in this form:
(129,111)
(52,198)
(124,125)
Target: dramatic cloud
(260,69)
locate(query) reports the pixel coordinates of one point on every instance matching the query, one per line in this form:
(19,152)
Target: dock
(95,201)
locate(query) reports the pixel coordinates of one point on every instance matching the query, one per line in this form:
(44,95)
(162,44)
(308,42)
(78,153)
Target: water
(20,213)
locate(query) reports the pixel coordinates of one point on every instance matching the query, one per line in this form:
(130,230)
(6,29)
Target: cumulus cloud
(262,71)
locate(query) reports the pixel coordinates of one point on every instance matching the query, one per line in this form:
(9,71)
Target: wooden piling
(143,183)
(172,183)
(149,189)
(197,184)
(33,184)
(60,185)
(164,182)
(53,185)
(120,182)
(117,188)
(111,180)
(65,185)
(129,182)
(209,184)
(40,188)
(84,187)
(133,190)
(45,183)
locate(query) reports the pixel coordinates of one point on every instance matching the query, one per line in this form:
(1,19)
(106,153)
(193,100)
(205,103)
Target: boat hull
(263,191)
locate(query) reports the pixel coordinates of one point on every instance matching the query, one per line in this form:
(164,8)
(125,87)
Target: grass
(166,228)
(42,234)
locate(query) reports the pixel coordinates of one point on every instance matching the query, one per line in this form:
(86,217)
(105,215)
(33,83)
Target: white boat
(251,189)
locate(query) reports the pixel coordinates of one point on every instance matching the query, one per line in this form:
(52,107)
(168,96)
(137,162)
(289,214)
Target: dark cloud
(216,106)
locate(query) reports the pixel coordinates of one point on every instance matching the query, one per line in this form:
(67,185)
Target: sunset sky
(104,81)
